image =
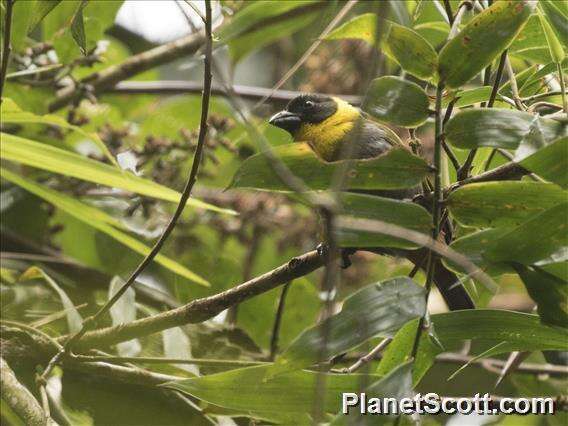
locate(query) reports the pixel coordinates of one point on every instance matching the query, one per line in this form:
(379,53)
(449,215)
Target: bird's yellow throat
(325,137)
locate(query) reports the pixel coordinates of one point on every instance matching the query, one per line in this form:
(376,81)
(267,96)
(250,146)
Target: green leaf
(557,14)
(556,50)
(507,203)
(470,96)
(12,113)
(248,390)
(435,32)
(403,45)
(41,10)
(497,128)
(46,157)
(98,220)
(482,40)
(474,246)
(402,213)
(74,319)
(123,312)
(78,28)
(397,101)
(376,310)
(396,169)
(550,162)
(396,384)
(549,292)
(520,245)
(503,331)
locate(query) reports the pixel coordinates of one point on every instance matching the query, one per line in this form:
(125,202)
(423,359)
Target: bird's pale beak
(286,120)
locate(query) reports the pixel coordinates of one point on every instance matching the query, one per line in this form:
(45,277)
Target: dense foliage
(101,127)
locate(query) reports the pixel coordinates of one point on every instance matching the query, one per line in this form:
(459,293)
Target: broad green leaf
(41,10)
(474,246)
(534,240)
(255,40)
(396,169)
(497,128)
(248,390)
(12,113)
(74,319)
(123,312)
(22,12)
(550,162)
(396,384)
(46,157)
(556,50)
(557,14)
(98,220)
(503,331)
(531,38)
(435,32)
(256,13)
(403,45)
(470,96)
(376,310)
(402,213)
(482,40)
(397,101)
(507,203)
(549,292)
(78,28)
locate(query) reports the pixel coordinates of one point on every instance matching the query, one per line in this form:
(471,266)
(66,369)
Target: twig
(464,171)
(543,95)
(334,22)
(6,48)
(91,322)
(19,398)
(368,357)
(449,12)
(514,87)
(562,87)
(134,65)
(510,157)
(248,265)
(436,212)
(458,18)
(200,310)
(154,360)
(278,321)
(505,172)
(174,87)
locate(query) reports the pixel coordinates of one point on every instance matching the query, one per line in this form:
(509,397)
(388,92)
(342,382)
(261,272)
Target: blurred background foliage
(84,213)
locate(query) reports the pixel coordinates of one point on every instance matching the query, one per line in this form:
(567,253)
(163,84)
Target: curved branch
(19,398)
(203,309)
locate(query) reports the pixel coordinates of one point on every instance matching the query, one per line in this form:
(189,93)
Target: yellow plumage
(324,137)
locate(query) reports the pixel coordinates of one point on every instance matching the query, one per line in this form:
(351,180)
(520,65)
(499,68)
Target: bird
(336,130)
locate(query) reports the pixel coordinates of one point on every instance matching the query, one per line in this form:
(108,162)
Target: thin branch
(109,77)
(514,86)
(543,95)
(464,171)
(153,360)
(507,171)
(368,357)
(278,321)
(334,22)
(449,13)
(6,48)
(562,87)
(200,310)
(436,211)
(91,322)
(174,87)
(19,398)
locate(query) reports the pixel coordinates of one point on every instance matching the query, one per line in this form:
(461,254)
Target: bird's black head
(304,109)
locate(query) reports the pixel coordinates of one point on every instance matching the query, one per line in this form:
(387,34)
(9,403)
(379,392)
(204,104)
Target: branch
(175,87)
(185,194)
(506,171)
(19,398)
(107,78)
(205,308)
(6,48)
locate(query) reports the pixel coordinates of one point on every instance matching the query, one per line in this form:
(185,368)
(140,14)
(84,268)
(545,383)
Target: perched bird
(336,130)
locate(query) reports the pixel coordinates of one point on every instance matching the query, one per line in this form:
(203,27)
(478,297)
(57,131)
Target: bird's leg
(344,253)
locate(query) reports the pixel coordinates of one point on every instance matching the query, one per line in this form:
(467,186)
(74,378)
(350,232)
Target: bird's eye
(309,104)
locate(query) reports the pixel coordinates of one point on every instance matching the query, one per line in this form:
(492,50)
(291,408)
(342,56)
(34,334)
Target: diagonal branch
(186,192)
(203,309)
